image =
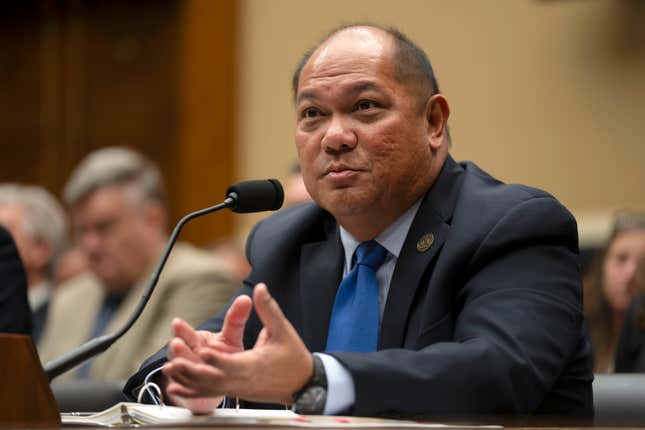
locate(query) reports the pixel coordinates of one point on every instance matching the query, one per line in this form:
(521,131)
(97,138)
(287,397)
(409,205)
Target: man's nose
(90,241)
(339,137)
(630,269)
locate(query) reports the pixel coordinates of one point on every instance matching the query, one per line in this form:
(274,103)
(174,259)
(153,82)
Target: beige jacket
(193,286)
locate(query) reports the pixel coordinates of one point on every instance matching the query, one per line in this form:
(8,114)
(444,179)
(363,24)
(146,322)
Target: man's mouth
(340,172)
(339,168)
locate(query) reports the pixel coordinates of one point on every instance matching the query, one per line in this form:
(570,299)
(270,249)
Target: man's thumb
(268,310)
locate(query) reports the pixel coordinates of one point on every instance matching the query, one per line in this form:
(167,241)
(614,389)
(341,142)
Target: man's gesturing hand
(278,365)
(182,349)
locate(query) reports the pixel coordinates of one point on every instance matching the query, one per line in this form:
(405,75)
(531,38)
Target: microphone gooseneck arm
(99,344)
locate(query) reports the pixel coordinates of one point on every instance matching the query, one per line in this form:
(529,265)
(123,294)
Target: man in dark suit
(479,307)
(15,315)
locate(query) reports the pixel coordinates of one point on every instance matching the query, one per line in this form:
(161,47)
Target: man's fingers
(191,399)
(263,337)
(235,320)
(225,362)
(186,332)
(191,374)
(177,372)
(178,348)
(193,380)
(174,390)
(268,310)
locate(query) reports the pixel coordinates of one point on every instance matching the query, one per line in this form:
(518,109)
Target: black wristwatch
(311,398)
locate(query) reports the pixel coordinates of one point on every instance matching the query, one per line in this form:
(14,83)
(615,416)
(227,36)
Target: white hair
(45,218)
(114,166)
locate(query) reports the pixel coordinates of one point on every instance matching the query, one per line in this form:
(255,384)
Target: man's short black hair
(411,65)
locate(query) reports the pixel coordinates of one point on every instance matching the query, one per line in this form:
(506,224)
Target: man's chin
(112,283)
(343,205)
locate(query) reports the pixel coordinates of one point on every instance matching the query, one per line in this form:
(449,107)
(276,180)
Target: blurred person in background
(15,315)
(71,263)
(120,220)
(294,190)
(231,250)
(630,353)
(609,286)
(38,225)
(232,254)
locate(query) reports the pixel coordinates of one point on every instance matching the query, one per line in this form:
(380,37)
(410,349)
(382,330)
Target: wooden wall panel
(206,141)
(19,91)
(76,75)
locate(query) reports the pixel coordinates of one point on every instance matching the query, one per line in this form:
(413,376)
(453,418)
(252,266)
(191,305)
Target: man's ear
(40,252)
(155,214)
(437,113)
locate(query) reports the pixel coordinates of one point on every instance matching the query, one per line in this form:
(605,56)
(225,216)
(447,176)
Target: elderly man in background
(71,263)
(38,225)
(117,206)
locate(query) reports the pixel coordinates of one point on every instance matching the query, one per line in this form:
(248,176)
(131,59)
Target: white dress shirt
(340,385)
(38,295)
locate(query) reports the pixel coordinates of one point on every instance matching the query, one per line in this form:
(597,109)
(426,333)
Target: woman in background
(630,354)
(610,286)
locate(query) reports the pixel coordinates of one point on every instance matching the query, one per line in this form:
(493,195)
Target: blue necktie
(354,320)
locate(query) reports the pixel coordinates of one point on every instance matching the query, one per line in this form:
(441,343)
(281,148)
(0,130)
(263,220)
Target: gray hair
(45,218)
(114,166)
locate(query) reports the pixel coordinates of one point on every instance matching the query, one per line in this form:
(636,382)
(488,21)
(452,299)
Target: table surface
(336,428)
(521,423)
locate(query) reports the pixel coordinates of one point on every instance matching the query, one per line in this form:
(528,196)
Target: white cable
(158,400)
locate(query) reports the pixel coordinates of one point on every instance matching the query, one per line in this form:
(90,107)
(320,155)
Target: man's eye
(366,104)
(622,258)
(103,227)
(311,113)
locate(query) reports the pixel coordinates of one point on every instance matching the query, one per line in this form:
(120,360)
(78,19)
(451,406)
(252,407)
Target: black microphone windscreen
(256,196)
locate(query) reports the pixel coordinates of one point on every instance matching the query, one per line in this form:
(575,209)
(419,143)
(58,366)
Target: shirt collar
(38,295)
(391,238)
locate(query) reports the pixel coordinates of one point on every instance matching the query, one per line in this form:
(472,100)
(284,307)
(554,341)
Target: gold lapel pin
(425,242)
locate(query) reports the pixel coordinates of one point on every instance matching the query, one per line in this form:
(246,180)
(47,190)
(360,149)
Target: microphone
(244,197)
(259,196)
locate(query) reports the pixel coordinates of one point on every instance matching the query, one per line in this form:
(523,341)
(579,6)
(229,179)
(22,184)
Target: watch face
(312,401)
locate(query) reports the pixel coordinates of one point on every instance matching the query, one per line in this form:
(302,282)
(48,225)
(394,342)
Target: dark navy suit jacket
(15,315)
(488,320)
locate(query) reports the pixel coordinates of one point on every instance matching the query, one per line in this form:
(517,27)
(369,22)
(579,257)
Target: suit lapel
(320,274)
(433,218)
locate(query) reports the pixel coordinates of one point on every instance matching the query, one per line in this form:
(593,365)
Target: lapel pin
(425,242)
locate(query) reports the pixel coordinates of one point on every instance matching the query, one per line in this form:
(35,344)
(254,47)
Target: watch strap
(311,399)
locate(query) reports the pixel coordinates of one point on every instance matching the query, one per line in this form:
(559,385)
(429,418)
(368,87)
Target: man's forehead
(350,90)
(354,41)
(113,196)
(13,211)
(350,50)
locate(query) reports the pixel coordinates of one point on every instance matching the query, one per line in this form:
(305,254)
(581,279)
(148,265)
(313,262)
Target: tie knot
(370,254)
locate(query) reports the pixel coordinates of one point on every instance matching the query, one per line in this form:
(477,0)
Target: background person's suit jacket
(15,315)
(487,321)
(194,286)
